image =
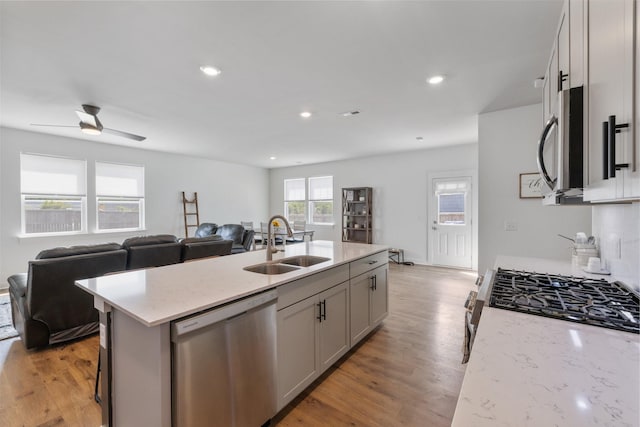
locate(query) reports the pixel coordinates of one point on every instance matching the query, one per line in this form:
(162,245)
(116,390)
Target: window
(451,203)
(321,200)
(119,197)
(295,197)
(314,206)
(53,194)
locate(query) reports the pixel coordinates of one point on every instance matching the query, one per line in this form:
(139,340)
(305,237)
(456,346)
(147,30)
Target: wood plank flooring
(407,373)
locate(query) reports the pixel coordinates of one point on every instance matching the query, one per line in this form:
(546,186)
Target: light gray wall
(507,142)
(400,193)
(227,193)
(617,232)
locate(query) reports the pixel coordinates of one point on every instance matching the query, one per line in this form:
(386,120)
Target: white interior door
(450,222)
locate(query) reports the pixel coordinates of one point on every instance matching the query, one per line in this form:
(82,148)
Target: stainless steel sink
(304,260)
(270,268)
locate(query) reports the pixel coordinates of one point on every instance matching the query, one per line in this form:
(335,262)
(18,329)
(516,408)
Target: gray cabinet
(333,325)
(369,301)
(312,336)
(313,329)
(320,317)
(297,349)
(613,156)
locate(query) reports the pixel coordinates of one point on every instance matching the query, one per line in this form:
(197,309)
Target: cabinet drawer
(291,293)
(365,264)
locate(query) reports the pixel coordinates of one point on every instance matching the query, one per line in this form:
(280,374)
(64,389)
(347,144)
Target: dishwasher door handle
(216,315)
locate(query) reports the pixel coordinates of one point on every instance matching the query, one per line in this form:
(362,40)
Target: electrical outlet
(510,225)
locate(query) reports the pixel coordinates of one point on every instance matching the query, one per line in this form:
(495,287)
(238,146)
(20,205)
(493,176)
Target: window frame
(302,200)
(114,198)
(311,202)
(80,196)
(308,202)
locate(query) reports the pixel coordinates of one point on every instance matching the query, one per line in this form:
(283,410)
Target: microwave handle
(553,121)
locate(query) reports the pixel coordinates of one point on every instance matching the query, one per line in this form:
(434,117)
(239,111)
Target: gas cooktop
(577,299)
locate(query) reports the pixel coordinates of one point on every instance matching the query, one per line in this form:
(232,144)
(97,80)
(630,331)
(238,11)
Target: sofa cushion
(77,250)
(149,240)
(206,229)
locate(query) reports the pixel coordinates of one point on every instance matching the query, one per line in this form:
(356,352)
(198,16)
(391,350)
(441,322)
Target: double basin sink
(286,265)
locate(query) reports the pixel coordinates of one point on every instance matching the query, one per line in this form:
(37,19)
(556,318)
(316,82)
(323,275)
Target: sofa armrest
(18,284)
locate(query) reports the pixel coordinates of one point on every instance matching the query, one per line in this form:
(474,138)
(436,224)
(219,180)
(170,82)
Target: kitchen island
(137,309)
(528,370)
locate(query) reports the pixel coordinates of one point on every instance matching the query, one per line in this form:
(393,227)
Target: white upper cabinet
(565,68)
(613,163)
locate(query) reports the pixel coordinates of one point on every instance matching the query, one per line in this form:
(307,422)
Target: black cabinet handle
(613,129)
(372,262)
(605,150)
(561,78)
(612,146)
(373,285)
(319,311)
(324,309)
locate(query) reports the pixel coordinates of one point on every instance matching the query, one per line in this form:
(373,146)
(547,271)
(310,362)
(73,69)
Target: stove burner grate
(576,299)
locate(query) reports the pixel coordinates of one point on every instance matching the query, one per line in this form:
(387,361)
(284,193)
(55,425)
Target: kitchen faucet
(271,250)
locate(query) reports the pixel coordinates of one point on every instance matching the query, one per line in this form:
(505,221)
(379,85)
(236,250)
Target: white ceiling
(140,62)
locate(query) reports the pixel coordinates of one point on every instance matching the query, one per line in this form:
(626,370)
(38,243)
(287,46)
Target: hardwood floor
(407,373)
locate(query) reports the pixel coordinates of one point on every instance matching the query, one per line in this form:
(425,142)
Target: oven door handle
(553,121)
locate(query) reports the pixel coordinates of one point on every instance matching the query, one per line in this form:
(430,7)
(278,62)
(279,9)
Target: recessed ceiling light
(305,114)
(419,138)
(272,158)
(210,71)
(435,80)
(350,113)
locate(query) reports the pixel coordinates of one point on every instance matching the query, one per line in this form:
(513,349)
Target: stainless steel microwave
(561,151)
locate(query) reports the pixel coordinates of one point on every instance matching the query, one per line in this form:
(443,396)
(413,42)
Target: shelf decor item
(530,186)
(356,214)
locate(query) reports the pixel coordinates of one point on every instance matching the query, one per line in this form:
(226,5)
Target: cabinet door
(334,324)
(360,306)
(379,296)
(632,181)
(553,82)
(297,348)
(610,77)
(564,59)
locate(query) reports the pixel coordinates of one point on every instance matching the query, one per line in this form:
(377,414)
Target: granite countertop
(528,370)
(158,295)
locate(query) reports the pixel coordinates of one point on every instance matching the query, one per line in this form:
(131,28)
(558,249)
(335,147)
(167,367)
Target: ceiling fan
(91,125)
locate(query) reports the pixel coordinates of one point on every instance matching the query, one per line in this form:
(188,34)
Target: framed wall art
(530,185)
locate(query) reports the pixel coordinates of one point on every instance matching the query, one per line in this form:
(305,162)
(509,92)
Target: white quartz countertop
(528,370)
(158,295)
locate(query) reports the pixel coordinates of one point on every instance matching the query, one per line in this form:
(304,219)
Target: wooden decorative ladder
(190,212)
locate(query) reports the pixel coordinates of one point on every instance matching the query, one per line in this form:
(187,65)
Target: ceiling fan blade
(53,126)
(124,134)
(87,118)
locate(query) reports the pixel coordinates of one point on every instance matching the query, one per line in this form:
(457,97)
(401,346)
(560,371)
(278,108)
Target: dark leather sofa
(242,239)
(46,306)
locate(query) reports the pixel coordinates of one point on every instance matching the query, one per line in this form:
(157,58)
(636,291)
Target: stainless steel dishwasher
(224,365)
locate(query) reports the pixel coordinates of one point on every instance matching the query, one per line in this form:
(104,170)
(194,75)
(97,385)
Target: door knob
(434,228)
